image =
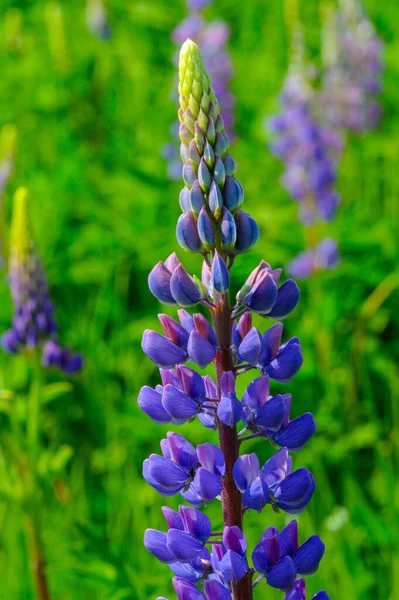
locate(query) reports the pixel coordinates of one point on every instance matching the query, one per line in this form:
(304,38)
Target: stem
(37,562)
(228,440)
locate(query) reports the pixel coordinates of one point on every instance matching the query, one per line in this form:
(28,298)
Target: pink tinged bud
(204,328)
(215,200)
(204,176)
(233,194)
(205,229)
(159,284)
(162,351)
(220,274)
(187,232)
(200,350)
(184,200)
(196,199)
(219,172)
(172,262)
(175,332)
(228,230)
(247,232)
(184,153)
(189,174)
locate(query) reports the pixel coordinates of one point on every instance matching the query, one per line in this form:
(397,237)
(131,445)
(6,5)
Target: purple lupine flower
(274,483)
(309,152)
(214,225)
(298,592)
(212,38)
(33,324)
(278,557)
(352,75)
(324,256)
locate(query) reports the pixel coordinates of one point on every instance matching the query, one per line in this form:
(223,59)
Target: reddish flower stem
(228,440)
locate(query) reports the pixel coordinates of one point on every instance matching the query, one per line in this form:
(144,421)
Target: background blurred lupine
(33,325)
(8,139)
(212,38)
(352,69)
(214,226)
(97,19)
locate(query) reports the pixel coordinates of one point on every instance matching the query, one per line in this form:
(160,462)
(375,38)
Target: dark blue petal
(295,491)
(277,467)
(247,232)
(271,340)
(288,539)
(282,575)
(287,299)
(256,393)
(297,592)
(229,410)
(287,363)
(245,470)
(271,414)
(192,383)
(263,294)
(228,230)
(256,495)
(233,566)
(234,539)
(205,229)
(309,555)
(267,552)
(295,435)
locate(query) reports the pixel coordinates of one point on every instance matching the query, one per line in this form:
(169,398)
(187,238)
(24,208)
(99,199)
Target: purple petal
(245,470)
(321,596)
(181,451)
(173,330)
(220,274)
(161,350)
(159,284)
(250,348)
(210,387)
(277,467)
(271,414)
(309,555)
(150,402)
(256,393)
(247,231)
(178,405)
(172,518)
(227,383)
(256,495)
(288,539)
(184,289)
(263,293)
(208,484)
(192,383)
(287,299)
(295,491)
(267,552)
(234,539)
(211,458)
(298,591)
(214,590)
(287,363)
(195,522)
(233,566)
(295,435)
(167,473)
(229,410)
(271,340)
(167,490)
(182,545)
(186,590)
(282,575)
(155,542)
(200,350)
(172,262)
(186,320)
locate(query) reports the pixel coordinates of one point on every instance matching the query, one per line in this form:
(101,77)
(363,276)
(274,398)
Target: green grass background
(92,117)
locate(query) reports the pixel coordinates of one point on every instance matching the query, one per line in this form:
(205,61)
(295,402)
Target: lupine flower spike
(212,38)
(209,565)
(33,324)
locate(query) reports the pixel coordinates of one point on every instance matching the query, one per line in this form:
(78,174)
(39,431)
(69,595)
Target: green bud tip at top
(20,236)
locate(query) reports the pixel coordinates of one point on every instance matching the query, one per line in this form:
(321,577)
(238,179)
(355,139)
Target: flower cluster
(33,323)
(352,77)
(323,256)
(212,38)
(194,552)
(309,152)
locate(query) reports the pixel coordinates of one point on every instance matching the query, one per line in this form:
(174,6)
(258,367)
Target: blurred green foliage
(92,117)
